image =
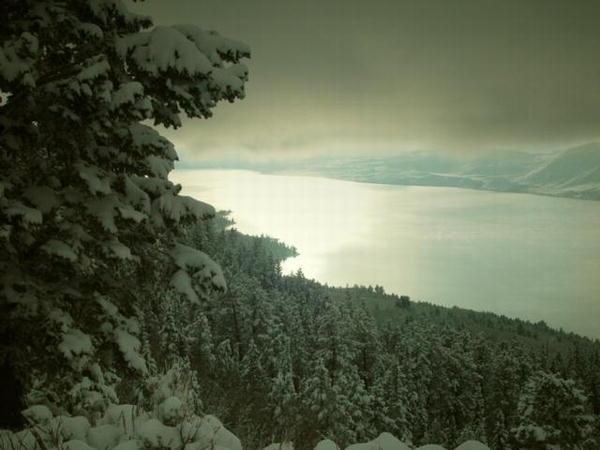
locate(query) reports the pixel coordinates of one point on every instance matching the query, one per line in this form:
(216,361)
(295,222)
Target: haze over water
(526,256)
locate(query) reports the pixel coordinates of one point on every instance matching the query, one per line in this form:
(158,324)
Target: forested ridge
(288,358)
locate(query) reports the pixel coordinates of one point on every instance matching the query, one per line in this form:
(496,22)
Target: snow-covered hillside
(574,172)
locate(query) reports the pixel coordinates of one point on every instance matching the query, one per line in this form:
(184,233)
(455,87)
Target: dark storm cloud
(388,75)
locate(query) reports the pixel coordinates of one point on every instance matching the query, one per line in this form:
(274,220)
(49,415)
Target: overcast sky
(396,75)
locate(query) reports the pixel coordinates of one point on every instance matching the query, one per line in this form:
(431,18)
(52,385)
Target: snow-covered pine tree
(282,394)
(318,403)
(552,414)
(366,338)
(415,362)
(341,416)
(203,348)
(455,397)
(502,398)
(87,213)
(394,391)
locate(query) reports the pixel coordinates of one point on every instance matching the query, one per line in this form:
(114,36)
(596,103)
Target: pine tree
(318,403)
(173,342)
(283,397)
(414,355)
(502,397)
(365,336)
(551,414)
(84,189)
(394,390)
(203,353)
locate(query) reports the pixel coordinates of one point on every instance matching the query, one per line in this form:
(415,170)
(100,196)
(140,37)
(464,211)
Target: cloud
(389,75)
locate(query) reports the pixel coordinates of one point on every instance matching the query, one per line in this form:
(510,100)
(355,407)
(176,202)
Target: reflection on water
(520,255)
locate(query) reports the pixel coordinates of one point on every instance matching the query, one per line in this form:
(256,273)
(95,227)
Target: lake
(526,256)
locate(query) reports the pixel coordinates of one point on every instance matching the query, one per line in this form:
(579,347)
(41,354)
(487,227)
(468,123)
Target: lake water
(526,256)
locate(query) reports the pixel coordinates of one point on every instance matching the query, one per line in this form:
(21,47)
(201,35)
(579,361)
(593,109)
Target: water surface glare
(521,255)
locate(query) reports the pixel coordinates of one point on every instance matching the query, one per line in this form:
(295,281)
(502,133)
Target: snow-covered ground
(126,427)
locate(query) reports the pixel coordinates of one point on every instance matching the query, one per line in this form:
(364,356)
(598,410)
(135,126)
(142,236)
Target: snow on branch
(197,274)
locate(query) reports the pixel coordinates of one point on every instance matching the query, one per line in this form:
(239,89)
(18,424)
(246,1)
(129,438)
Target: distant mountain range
(573,173)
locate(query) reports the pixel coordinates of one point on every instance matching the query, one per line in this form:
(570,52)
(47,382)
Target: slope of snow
(126,427)
(326,444)
(385,441)
(572,173)
(575,166)
(472,445)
